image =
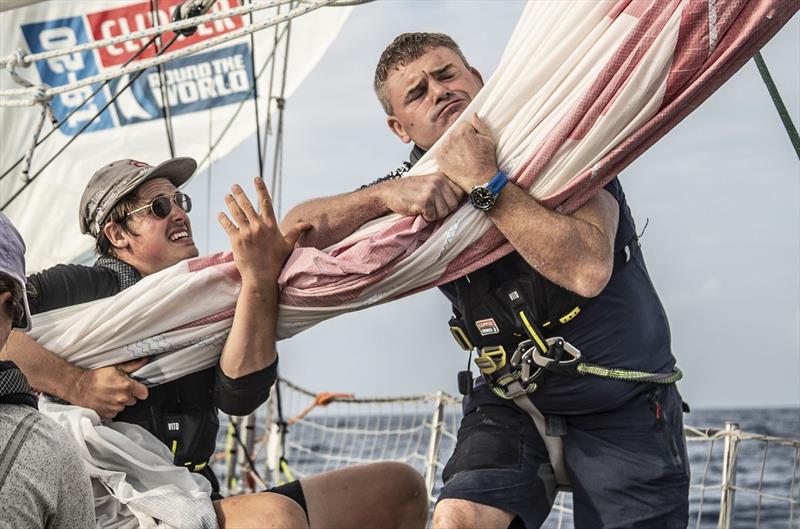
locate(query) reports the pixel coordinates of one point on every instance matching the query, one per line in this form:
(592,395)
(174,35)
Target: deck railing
(739,479)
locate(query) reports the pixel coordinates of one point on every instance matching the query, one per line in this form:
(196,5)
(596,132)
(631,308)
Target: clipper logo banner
(210,79)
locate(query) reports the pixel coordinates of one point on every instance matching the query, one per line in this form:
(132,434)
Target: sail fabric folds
(179,317)
(582,89)
(200,95)
(134,482)
(168,317)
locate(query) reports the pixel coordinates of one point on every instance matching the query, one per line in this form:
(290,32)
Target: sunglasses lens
(161,207)
(184,202)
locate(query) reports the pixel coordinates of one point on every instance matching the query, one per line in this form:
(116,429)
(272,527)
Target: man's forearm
(250,346)
(44,370)
(334,218)
(574,251)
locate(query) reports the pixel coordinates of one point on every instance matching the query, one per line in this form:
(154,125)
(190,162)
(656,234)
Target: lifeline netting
(738,478)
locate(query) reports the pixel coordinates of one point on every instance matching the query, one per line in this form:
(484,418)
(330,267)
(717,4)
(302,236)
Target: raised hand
(259,248)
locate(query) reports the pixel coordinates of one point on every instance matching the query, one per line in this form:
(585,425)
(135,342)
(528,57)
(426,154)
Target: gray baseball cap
(12,263)
(115,180)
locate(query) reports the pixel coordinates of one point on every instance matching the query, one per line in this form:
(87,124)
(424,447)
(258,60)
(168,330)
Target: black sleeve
(241,396)
(615,188)
(67,285)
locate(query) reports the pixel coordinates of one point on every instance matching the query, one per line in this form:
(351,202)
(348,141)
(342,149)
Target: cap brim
(177,170)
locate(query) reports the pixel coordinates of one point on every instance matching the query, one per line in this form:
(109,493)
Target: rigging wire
(242,101)
(77,108)
(288,16)
(778,102)
(277,191)
(255,97)
(148,63)
(166,111)
(249,458)
(80,131)
(277,166)
(208,182)
(136,35)
(268,121)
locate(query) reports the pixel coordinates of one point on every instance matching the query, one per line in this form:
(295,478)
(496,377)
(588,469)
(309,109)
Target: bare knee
(266,510)
(462,514)
(409,491)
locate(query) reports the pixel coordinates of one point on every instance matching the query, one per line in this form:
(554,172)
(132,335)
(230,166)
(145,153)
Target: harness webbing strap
(14,444)
(538,337)
(554,446)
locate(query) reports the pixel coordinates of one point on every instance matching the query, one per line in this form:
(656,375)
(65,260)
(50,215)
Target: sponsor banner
(198,82)
(203,91)
(137,17)
(191,84)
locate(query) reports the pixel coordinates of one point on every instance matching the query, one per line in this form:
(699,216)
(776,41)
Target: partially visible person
(43,482)
(139,220)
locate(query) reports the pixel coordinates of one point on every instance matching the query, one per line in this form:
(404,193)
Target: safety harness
(516,372)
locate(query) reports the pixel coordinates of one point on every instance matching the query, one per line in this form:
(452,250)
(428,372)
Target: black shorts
(627,467)
(294,491)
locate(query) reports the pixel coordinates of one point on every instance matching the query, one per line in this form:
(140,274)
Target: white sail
(203,92)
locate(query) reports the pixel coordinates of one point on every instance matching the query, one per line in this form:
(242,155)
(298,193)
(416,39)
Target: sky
(720,195)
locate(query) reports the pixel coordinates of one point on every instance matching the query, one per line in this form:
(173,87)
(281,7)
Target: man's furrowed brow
(414,89)
(435,72)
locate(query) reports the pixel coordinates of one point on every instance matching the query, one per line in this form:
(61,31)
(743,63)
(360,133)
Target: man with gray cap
(43,482)
(139,220)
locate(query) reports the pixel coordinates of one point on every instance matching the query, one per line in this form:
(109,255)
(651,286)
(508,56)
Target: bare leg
(462,514)
(375,496)
(260,511)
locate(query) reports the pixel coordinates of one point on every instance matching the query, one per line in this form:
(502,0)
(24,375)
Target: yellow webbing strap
(540,343)
(569,316)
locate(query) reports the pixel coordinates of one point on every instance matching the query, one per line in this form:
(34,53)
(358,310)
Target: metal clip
(559,343)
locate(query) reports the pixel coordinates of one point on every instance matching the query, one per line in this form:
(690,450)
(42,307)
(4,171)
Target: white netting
(739,479)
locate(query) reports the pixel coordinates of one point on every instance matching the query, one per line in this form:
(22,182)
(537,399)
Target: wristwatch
(483,197)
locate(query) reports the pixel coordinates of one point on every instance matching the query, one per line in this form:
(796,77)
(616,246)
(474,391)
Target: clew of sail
(202,93)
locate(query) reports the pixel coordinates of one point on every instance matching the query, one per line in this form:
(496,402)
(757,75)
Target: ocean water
(767,477)
(769,468)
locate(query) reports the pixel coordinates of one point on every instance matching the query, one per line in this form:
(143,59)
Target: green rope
(629,375)
(779,106)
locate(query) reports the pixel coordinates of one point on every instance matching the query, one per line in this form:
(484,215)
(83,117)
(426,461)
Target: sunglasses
(162,206)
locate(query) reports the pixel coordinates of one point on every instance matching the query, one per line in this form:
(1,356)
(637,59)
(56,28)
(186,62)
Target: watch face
(481,198)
